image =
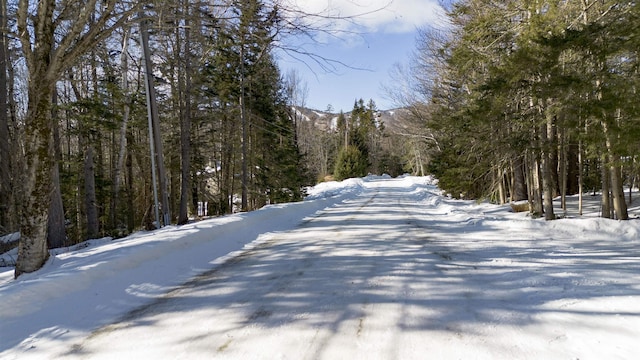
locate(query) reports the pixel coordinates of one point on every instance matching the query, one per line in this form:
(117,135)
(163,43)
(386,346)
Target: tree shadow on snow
(381,252)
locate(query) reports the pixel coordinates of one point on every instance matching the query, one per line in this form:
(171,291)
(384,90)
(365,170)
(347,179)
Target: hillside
(394,120)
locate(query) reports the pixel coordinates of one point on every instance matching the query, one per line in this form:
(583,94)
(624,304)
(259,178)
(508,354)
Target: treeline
(528,100)
(111,106)
(353,144)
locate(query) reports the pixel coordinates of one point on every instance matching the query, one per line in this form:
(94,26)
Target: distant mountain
(394,120)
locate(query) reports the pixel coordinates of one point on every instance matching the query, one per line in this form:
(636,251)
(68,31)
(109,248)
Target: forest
(531,100)
(118,116)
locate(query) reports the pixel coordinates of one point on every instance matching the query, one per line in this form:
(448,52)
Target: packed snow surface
(372,268)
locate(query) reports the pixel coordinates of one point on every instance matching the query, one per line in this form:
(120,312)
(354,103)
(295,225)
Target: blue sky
(368,46)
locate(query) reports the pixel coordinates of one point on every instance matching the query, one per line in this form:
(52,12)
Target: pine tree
(351,163)
(536,85)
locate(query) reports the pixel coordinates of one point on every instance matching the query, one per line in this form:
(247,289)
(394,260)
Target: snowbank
(492,269)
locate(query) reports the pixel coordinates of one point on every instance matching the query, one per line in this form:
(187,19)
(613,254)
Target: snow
(10,237)
(371,268)
(333,125)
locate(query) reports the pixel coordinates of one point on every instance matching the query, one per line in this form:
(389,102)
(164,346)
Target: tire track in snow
(336,281)
(381,277)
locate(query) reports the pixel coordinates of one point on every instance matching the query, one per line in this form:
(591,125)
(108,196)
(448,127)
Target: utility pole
(243,120)
(154,127)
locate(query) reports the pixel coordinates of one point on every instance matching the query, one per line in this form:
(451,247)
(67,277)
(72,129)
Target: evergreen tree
(532,86)
(248,94)
(351,163)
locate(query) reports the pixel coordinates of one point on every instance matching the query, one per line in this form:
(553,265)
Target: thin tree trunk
(185,126)
(537,208)
(5,141)
(90,194)
(131,218)
(563,172)
(632,180)
(580,179)
(122,149)
(511,182)
(548,188)
(500,182)
(527,170)
(227,166)
(553,156)
(243,122)
(56,232)
(606,186)
(548,168)
(14,156)
(617,191)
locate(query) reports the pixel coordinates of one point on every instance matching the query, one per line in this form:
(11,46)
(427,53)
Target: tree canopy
(531,100)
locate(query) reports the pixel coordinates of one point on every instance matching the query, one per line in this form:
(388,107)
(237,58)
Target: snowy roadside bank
(78,290)
(387,258)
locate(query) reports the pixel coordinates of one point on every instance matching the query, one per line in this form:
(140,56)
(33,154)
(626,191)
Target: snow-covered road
(373,268)
(377,277)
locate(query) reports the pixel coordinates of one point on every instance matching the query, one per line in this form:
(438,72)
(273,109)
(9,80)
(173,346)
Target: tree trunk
(573,167)
(553,156)
(502,193)
(580,179)
(537,208)
(90,194)
(520,185)
(37,33)
(606,186)
(38,144)
(56,232)
(35,199)
(617,191)
(228,168)
(5,147)
(548,186)
(185,128)
(122,148)
(551,167)
(632,180)
(562,172)
(245,144)
(131,216)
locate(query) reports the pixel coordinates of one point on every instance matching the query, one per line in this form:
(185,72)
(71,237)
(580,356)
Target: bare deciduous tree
(52,35)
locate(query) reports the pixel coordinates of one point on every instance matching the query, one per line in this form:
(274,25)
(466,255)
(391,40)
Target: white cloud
(390,16)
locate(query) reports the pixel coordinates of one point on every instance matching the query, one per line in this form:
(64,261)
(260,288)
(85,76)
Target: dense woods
(117,115)
(121,115)
(112,107)
(529,100)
